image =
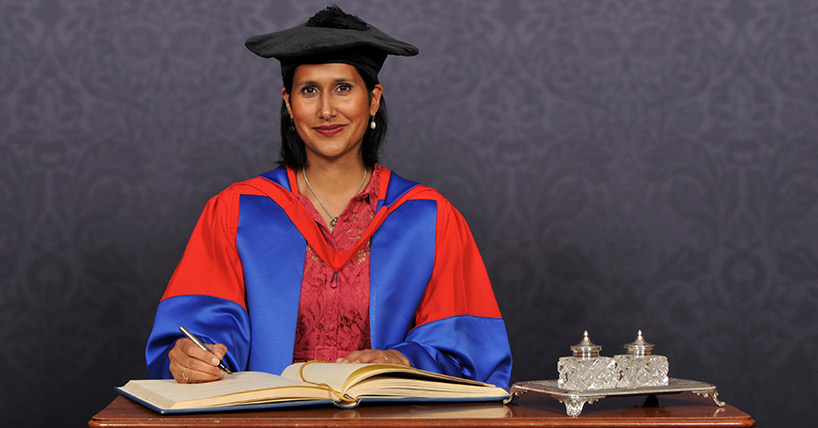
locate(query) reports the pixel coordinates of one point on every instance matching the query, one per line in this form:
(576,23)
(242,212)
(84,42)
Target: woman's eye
(308,90)
(344,87)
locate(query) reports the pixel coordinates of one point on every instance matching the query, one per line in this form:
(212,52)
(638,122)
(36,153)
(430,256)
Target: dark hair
(294,154)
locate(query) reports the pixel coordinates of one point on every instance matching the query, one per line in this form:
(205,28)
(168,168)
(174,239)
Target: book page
(403,387)
(372,370)
(231,384)
(332,374)
(343,377)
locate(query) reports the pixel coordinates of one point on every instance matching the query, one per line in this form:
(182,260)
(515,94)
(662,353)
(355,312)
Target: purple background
(623,164)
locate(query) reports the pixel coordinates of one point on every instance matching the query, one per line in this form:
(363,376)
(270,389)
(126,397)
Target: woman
(330,256)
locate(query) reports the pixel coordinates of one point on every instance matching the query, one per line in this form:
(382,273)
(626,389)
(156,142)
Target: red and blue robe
(239,281)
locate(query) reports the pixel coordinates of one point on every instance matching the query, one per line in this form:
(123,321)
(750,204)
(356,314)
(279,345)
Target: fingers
(191,364)
(184,374)
(389,356)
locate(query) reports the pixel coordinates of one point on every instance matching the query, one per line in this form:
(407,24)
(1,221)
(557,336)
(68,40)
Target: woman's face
(331,109)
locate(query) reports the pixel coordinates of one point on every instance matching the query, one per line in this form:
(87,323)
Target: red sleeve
(210,265)
(460,284)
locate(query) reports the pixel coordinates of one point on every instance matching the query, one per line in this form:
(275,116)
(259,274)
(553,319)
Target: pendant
(332,222)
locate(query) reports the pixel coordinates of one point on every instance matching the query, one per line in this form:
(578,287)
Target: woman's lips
(329,130)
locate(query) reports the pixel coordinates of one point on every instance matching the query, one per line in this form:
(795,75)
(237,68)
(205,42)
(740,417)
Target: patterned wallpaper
(623,164)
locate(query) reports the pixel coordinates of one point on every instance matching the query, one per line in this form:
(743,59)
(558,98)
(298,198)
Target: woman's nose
(327,109)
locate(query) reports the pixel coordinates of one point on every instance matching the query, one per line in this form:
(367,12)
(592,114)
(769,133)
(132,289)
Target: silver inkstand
(587,377)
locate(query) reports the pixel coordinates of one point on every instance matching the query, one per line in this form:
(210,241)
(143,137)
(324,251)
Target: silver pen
(203,346)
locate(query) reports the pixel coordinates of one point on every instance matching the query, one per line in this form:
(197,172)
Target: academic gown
(239,281)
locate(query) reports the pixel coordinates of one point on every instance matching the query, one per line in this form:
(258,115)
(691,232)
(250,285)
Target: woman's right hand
(191,364)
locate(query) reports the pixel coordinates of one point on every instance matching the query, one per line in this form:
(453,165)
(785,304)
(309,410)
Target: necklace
(334,218)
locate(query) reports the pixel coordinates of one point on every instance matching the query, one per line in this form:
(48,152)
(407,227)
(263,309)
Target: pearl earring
(373,125)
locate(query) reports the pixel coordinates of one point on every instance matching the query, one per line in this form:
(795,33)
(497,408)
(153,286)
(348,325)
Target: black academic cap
(330,36)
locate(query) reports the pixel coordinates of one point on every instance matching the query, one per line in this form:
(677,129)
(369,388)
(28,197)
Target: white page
(231,384)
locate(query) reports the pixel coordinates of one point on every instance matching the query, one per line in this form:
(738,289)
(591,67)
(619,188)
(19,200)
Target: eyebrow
(337,80)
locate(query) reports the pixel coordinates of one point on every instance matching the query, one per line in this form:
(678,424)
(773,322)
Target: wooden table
(531,410)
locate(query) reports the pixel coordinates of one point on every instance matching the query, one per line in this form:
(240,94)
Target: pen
(203,346)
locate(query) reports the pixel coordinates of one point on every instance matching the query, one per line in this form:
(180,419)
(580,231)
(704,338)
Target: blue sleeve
(212,319)
(463,346)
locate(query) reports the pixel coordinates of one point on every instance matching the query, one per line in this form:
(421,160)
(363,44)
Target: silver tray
(574,400)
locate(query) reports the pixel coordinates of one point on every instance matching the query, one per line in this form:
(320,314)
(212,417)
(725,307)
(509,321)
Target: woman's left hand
(375,356)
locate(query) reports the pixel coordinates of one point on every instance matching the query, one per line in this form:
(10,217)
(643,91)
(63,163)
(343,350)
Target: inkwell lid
(586,349)
(639,347)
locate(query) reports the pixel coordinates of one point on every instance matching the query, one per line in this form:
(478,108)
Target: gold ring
(187,379)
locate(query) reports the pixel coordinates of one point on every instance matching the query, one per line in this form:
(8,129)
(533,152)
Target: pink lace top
(333,314)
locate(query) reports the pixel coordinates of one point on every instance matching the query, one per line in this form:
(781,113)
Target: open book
(309,383)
